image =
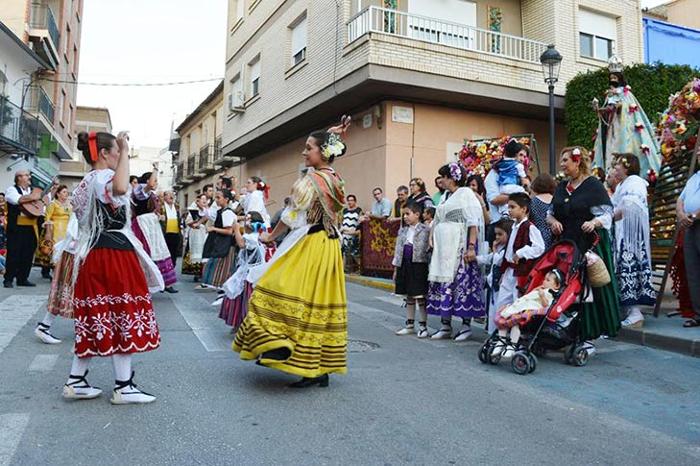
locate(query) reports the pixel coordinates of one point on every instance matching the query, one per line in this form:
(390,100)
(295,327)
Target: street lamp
(551,62)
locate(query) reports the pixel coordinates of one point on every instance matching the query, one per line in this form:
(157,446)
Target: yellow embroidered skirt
(300,304)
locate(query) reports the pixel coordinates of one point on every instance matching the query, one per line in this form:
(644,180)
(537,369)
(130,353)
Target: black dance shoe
(26,283)
(310,382)
(170,289)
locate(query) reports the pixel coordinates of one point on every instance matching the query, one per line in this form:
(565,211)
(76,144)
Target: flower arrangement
(678,125)
(477,157)
(333,146)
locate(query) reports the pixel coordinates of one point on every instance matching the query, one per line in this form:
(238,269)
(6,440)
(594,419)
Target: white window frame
(254,77)
(237,94)
(597,26)
(299,37)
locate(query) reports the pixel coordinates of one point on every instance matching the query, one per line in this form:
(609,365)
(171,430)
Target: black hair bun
(83,139)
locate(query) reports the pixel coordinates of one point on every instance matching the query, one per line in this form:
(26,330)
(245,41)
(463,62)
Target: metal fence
(436,31)
(42,18)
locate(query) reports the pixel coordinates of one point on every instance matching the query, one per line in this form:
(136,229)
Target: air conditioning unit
(236,102)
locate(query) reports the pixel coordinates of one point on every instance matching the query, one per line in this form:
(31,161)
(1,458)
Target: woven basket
(598,275)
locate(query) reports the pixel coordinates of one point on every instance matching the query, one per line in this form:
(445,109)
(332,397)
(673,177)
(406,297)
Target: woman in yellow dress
(297,314)
(58,213)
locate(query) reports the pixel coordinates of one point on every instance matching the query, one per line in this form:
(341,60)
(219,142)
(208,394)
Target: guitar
(35,209)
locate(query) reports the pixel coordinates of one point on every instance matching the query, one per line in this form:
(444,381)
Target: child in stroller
(522,311)
(559,324)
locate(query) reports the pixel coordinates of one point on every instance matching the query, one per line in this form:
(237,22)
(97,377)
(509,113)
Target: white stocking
(514,334)
(48,319)
(122,367)
(79,366)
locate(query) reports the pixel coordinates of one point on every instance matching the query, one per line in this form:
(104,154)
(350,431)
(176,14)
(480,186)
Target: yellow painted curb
(368,281)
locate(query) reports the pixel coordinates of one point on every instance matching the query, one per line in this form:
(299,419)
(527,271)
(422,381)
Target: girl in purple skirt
(456,284)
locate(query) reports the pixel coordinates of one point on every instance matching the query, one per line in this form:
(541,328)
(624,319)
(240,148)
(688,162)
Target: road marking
(391,299)
(370,313)
(15,312)
(43,362)
(12,427)
(204,321)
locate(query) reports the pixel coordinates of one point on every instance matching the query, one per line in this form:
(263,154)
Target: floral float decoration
(678,125)
(478,156)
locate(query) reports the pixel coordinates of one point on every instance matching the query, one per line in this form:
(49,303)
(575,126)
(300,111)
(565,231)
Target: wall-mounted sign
(367,121)
(402,114)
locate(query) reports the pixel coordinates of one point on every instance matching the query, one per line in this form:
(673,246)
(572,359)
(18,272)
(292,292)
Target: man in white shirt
(21,231)
(497,202)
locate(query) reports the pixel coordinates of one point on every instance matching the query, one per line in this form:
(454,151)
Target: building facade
(417,76)
(86,119)
(18,128)
(142,158)
(680,12)
(52,29)
(197,153)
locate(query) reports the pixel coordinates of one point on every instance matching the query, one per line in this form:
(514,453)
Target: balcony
(193,171)
(206,159)
(18,129)
(44,33)
(40,104)
(433,31)
(222,159)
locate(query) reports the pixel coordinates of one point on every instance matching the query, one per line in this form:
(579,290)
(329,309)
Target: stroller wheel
(580,358)
(521,363)
(533,362)
(484,352)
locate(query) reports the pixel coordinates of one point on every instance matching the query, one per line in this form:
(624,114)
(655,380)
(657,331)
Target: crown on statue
(615,64)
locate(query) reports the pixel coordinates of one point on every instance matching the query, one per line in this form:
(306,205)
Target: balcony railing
(190,166)
(19,129)
(436,31)
(42,18)
(217,148)
(206,159)
(40,102)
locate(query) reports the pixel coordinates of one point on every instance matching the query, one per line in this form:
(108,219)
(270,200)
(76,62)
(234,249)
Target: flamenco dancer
(112,274)
(146,226)
(297,315)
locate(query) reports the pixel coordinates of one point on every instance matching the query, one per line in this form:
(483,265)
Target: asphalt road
(403,400)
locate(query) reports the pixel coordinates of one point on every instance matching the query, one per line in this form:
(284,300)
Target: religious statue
(623,127)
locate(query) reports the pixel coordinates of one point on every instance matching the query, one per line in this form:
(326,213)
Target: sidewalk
(666,333)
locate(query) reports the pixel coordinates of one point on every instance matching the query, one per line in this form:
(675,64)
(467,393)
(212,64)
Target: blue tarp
(670,44)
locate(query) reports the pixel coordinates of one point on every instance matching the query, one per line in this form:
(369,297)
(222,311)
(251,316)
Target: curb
(638,337)
(370,282)
(659,341)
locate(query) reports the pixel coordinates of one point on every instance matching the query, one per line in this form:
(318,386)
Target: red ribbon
(92,145)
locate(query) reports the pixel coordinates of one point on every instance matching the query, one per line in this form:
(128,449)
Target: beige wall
(14,14)
(685,13)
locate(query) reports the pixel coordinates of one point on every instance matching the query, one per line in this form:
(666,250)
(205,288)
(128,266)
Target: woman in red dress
(113,275)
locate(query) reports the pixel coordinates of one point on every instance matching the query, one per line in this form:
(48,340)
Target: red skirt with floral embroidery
(112,306)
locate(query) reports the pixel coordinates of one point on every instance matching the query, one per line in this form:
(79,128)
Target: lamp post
(551,63)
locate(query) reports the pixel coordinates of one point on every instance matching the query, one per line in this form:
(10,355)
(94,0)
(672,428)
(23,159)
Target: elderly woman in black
(419,194)
(581,207)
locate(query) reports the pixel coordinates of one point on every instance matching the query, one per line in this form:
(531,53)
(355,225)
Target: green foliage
(651,84)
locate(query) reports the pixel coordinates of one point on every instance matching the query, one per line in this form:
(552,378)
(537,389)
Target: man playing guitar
(22,231)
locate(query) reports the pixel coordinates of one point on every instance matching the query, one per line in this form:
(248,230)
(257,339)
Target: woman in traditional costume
(581,208)
(146,226)
(456,283)
(219,250)
(56,221)
(196,236)
(632,241)
(257,192)
(112,274)
(297,315)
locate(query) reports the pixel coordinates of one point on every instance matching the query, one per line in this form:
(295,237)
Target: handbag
(598,275)
(46,247)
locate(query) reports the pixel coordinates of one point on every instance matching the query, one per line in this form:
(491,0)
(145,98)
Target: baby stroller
(559,327)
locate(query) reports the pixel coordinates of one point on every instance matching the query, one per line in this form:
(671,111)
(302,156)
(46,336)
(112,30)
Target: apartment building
(86,119)
(18,128)
(418,77)
(684,13)
(52,29)
(197,148)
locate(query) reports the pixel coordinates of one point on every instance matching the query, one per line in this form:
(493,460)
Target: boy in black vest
(525,246)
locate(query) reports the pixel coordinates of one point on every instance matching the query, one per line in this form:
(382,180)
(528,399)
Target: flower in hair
(576,154)
(455,171)
(334,146)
